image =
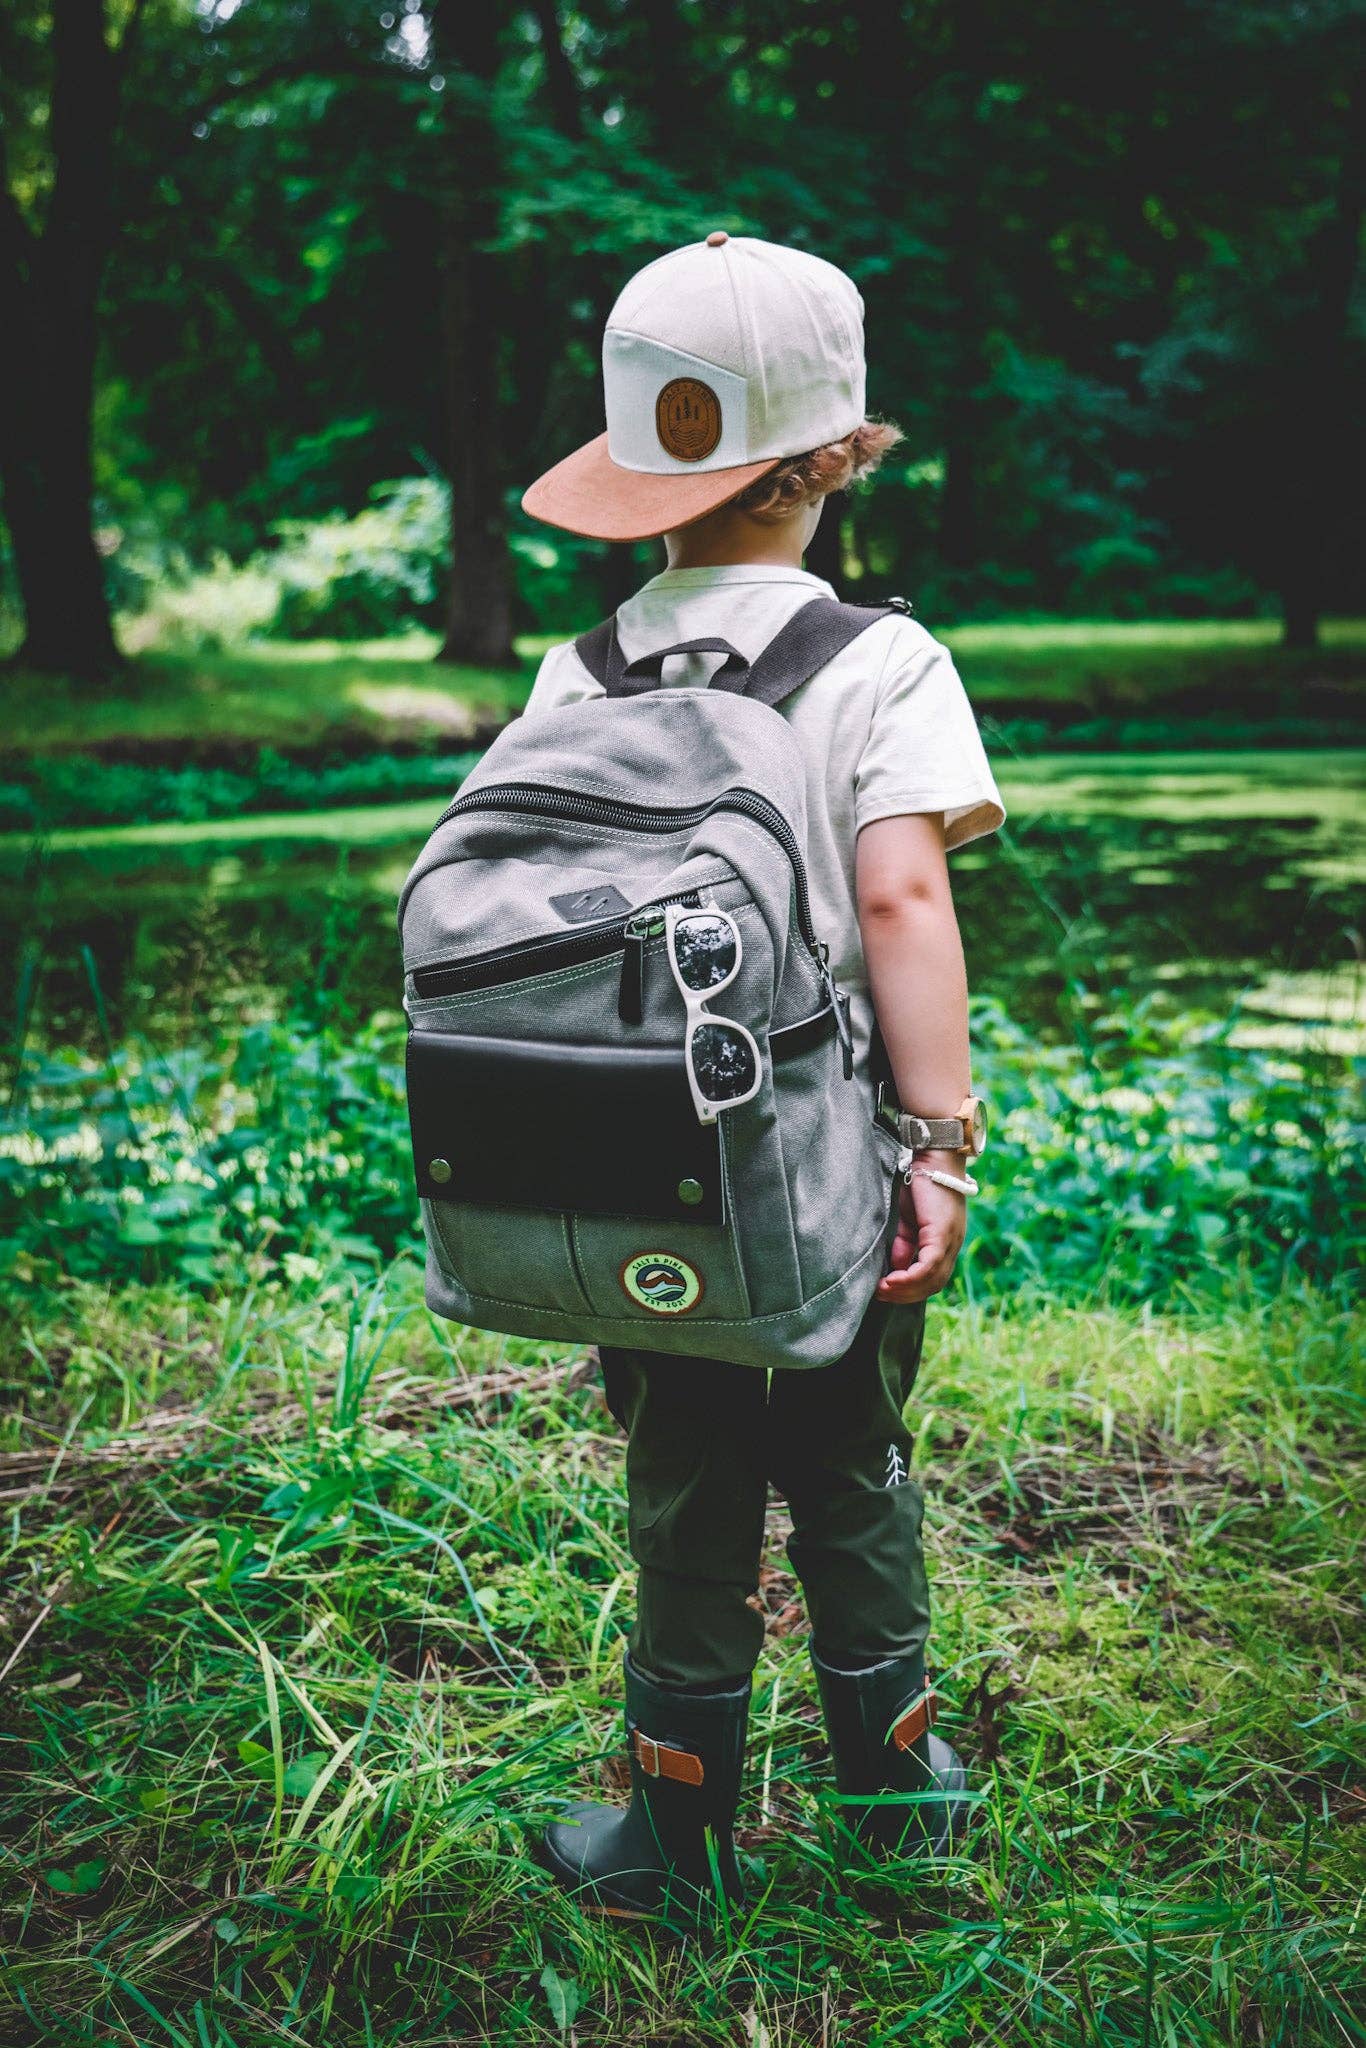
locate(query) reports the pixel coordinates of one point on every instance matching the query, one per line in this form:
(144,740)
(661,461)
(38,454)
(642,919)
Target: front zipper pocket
(546,955)
(547,800)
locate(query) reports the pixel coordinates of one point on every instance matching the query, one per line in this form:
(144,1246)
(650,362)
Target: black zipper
(535,956)
(549,801)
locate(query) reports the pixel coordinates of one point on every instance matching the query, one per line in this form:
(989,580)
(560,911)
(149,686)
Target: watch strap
(932,1133)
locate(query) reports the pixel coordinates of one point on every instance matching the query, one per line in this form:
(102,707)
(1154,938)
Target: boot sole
(586,1894)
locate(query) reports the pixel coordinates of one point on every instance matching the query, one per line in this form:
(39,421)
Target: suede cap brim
(590,494)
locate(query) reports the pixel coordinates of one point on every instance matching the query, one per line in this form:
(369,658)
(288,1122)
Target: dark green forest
(261,261)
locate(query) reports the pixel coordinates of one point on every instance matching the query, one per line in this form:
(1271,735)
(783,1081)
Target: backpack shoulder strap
(812,637)
(600,652)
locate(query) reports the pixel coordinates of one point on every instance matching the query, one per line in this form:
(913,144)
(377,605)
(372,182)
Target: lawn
(1319,785)
(311,1608)
(316,1609)
(291,695)
(348,697)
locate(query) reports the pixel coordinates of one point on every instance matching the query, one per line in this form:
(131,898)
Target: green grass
(319,695)
(1314,784)
(1112,663)
(1041,638)
(1320,785)
(315,1609)
(316,694)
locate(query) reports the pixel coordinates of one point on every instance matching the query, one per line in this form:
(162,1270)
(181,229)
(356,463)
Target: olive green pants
(705,1440)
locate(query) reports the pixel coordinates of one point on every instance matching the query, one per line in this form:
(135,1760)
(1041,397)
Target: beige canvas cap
(718,361)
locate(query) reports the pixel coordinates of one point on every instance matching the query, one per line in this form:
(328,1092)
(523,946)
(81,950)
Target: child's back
(734,384)
(885,728)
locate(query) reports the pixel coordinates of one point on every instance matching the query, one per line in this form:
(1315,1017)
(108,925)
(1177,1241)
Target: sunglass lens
(722,1061)
(705,950)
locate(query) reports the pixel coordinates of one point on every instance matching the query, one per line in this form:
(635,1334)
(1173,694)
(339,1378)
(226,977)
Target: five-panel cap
(719,360)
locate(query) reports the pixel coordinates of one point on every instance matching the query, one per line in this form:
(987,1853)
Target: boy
(734,383)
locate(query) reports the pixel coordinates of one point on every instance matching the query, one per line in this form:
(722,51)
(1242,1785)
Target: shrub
(354,579)
(191,611)
(1138,1161)
(82,789)
(335,578)
(1141,1157)
(283,1140)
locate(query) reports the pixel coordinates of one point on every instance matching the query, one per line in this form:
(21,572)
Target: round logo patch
(666,1285)
(688,419)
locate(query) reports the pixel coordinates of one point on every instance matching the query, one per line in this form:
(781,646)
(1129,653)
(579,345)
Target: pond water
(1205,879)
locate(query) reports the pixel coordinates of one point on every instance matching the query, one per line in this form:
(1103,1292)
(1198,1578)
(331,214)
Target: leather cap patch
(688,419)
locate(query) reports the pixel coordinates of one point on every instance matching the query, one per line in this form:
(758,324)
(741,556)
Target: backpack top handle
(645,672)
(812,637)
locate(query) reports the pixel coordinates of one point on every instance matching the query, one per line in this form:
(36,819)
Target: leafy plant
(81,789)
(1145,1155)
(351,578)
(288,1140)
(1141,1159)
(340,576)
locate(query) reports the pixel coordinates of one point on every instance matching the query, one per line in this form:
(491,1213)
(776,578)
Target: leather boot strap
(657,1760)
(917,1720)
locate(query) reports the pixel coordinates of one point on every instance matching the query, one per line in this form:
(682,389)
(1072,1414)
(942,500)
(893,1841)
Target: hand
(929,1236)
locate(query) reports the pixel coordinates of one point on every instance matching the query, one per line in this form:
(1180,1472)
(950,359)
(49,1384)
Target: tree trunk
(960,528)
(1300,603)
(669,85)
(960,516)
(479,598)
(50,285)
(46,482)
(1315,488)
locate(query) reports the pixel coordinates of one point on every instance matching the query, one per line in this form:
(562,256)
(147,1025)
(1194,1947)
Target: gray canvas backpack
(569,1189)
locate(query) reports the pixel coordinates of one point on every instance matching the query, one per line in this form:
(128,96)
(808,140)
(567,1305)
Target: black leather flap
(605,1130)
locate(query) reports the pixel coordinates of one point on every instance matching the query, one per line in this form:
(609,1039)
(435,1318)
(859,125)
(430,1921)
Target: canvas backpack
(568,1189)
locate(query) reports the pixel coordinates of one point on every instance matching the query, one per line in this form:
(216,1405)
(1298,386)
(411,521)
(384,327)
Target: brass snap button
(439,1170)
(691,1192)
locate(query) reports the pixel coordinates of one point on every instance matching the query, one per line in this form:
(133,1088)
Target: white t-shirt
(885,728)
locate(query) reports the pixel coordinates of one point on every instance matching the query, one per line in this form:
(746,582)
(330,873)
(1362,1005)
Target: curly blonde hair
(803,479)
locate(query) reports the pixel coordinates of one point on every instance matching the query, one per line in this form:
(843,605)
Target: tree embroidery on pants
(897,1474)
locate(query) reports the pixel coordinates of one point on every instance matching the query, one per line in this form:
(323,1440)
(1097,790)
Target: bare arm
(919,985)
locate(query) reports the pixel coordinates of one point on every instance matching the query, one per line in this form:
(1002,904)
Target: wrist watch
(964,1131)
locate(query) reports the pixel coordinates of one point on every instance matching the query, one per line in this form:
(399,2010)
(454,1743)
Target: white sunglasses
(722,1057)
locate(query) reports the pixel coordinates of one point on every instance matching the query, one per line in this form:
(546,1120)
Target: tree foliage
(1110,256)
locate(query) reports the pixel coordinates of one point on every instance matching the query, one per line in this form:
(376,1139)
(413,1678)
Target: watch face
(977,1126)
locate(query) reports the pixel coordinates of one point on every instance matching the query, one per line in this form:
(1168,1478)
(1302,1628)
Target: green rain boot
(686,1750)
(879,1723)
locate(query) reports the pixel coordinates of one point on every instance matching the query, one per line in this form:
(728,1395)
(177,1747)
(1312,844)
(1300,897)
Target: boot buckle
(657,1760)
(917,1720)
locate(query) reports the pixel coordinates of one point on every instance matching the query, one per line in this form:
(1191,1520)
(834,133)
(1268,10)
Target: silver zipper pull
(640,927)
(839,1003)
